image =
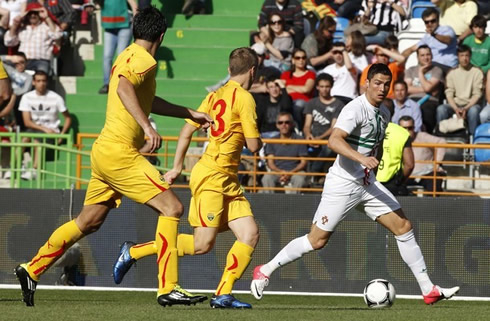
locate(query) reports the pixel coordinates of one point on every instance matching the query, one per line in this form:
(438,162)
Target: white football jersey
(366,127)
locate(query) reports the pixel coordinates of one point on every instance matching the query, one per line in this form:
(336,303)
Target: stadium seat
(417,9)
(342,23)
(482,136)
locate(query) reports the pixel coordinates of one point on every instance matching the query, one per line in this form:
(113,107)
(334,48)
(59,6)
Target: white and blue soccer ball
(379,293)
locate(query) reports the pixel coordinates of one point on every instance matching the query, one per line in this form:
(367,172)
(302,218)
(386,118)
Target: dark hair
(324,44)
(324,76)
(478,21)
(40,73)
(400,81)
(293,66)
(406,118)
(423,47)
(20,53)
(269,19)
(271,79)
(358,43)
(242,60)
(463,48)
(429,12)
(285,113)
(149,24)
(378,69)
(391,42)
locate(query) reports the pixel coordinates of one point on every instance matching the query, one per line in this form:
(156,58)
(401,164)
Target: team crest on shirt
(210,217)
(324,220)
(162,178)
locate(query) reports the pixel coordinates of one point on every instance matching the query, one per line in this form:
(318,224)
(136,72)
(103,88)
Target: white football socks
(291,252)
(412,255)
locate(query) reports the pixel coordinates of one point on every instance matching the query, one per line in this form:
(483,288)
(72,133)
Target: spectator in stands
(425,83)
(290,11)
(270,106)
(318,44)
(299,83)
(117,33)
(386,15)
(320,116)
(21,82)
(344,8)
(440,39)
(40,108)
(263,73)
(279,44)
(479,43)
(464,91)
(36,36)
(424,154)
(485,113)
(285,125)
(15,8)
(457,14)
(344,74)
(404,106)
(62,12)
(355,43)
(388,56)
(397,162)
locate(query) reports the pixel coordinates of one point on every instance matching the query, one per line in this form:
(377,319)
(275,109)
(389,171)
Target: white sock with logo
(412,255)
(291,252)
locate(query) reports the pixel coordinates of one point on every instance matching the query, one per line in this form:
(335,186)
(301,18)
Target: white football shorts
(340,195)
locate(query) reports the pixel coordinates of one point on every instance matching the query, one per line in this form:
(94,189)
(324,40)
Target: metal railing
(52,154)
(167,152)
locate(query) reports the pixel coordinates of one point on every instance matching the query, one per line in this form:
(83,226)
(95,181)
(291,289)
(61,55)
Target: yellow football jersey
(233,111)
(139,67)
(3,73)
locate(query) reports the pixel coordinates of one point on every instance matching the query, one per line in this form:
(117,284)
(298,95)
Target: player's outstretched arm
(182,145)
(254,144)
(338,144)
(127,94)
(164,108)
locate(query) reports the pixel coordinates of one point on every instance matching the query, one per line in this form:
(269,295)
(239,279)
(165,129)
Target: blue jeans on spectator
(485,115)
(379,38)
(298,107)
(114,39)
(472,116)
(39,64)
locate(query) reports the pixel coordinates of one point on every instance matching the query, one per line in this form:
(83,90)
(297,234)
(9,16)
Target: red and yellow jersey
(139,67)
(3,73)
(233,111)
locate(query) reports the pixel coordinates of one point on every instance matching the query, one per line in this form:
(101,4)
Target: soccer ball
(379,293)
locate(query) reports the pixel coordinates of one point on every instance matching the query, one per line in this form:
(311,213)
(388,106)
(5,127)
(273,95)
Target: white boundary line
(99,288)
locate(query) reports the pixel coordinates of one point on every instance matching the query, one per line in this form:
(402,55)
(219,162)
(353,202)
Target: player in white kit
(351,182)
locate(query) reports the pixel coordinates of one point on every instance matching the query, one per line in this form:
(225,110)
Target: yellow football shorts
(119,169)
(217,198)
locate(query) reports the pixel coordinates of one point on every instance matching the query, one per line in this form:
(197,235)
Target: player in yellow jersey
(217,200)
(5,88)
(118,168)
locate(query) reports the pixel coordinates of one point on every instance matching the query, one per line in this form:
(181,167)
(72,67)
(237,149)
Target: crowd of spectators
(323,73)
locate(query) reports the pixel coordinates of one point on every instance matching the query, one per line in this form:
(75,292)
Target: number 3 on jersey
(221,123)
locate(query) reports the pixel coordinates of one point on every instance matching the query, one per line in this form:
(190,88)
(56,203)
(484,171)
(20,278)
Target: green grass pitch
(69,305)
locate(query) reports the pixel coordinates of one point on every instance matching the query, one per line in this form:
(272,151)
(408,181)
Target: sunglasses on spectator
(300,57)
(430,21)
(409,127)
(282,122)
(277,22)
(337,52)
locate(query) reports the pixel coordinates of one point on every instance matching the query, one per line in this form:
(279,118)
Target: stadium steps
(194,55)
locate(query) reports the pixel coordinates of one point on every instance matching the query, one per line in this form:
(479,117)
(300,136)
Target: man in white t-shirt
(40,108)
(357,135)
(344,74)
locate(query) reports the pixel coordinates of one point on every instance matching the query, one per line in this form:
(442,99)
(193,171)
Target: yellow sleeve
(3,73)
(203,108)
(248,117)
(136,70)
